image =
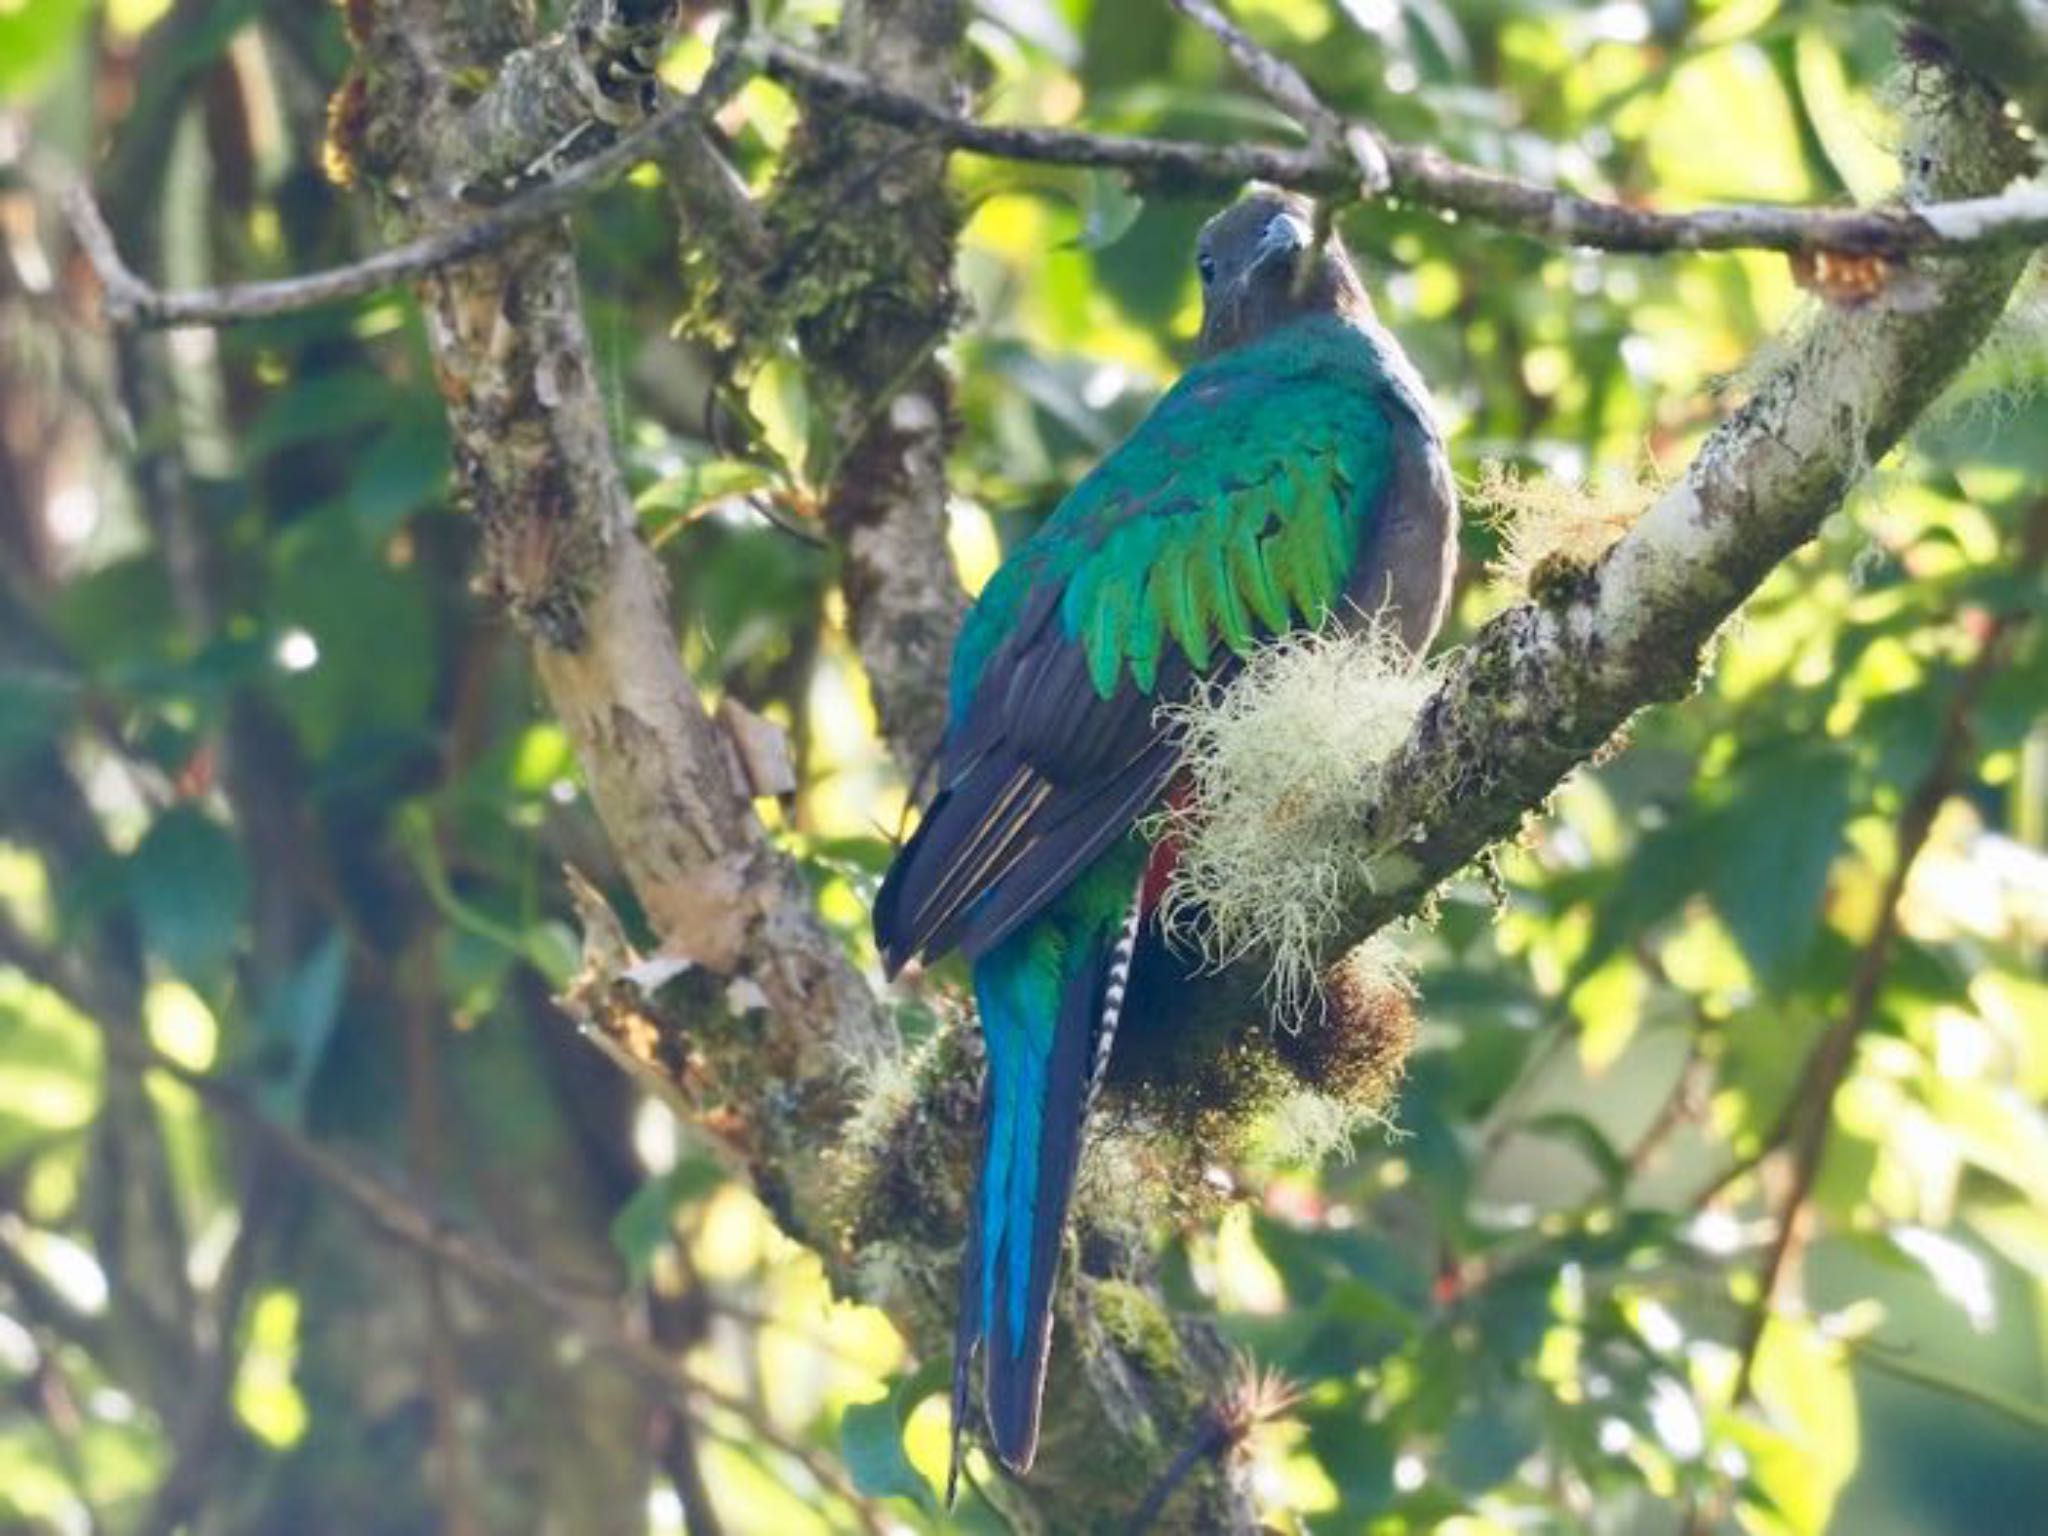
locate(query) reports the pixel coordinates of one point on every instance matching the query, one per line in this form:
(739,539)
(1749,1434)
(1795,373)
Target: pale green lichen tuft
(1284,764)
(1307,1128)
(1550,528)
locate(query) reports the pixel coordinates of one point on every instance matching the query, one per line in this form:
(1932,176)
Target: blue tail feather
(1039,1013)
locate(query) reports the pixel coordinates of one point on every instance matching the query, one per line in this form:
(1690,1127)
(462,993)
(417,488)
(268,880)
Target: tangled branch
(1344,158)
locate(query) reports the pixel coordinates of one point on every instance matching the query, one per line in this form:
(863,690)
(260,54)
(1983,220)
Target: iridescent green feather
(1180,600)
(1236,509)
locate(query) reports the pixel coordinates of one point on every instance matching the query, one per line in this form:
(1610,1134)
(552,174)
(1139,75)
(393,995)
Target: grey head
(1261,267)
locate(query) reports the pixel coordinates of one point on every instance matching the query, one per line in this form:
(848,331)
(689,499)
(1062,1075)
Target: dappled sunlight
(1681,1164)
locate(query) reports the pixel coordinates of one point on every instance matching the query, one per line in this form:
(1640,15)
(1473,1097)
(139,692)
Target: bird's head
(1261,266)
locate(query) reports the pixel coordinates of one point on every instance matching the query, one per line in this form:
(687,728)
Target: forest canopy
(487,498)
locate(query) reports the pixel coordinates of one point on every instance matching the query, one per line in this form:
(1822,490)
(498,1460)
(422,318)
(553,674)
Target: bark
(868,230)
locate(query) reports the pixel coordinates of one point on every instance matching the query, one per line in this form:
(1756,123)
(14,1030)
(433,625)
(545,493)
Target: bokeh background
(277,803)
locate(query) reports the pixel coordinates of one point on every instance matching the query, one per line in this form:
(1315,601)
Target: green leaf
(1357,1454)
(1484,1446)
(643,1226)
(1664,869)
(119,617)
(52,1081)
(370,621)
(697,487)
(190,892)
(405,469)
(33,37)
(296,1023)
(1778,836)
(321,408)
(871,1442)
(1108,210)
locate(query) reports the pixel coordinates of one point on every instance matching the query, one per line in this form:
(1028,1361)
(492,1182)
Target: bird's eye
(1206,265)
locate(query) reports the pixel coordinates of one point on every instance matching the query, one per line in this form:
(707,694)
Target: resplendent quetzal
(1292,478)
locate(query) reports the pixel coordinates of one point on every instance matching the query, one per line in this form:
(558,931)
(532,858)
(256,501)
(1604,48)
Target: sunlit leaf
(871,1439)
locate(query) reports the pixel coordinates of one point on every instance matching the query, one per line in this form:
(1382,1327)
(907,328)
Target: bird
(1293,478)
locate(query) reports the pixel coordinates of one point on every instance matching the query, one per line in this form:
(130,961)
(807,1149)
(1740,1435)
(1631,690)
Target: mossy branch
(1544,686)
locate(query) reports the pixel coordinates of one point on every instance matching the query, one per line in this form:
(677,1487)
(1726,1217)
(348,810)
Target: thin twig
(679,1460)
(419,1025)
(1809,1117)
(1681,1107)
(1328,134)
(1430,179)
(1211,1438)
(130,300)
(205,1424)
(405,1217)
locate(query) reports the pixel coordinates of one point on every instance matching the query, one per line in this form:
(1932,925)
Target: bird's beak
(1284,234)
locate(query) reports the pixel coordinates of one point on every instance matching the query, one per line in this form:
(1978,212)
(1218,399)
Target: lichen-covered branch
(2004,41)
(534,465)
(868,232)
(1546,685)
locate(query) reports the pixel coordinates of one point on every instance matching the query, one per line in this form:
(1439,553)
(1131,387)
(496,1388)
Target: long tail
(1049,1037)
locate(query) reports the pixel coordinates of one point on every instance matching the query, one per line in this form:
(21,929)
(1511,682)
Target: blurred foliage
(277,792)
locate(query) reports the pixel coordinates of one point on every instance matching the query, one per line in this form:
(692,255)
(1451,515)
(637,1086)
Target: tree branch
(780,1004)
(131,300)
(1328,134)
(1430,179)
(1544,686)
(869,232)
(1415,174)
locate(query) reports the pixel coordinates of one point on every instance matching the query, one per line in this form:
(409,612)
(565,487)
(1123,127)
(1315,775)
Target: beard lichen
(1274,841)
(1552,530)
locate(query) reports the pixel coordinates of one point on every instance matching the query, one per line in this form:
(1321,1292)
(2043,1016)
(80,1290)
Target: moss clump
(901,1158)
(1137,1325)
(1347,1068)
(1223,1089)
(1201,1109)
(1559,580)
